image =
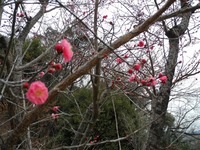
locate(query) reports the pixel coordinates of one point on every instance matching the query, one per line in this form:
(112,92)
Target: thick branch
(160,103)
(31,22)
(179,12)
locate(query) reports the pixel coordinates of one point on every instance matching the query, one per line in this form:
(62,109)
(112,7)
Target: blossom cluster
(95,140)
(37,92)
(136,70)
(55,114)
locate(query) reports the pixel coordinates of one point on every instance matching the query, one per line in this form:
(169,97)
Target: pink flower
(126,56)
(163,79)
(59,48)
(151,47)
(52,63)
(132,78)
(20,14)
(104,17)
(143,82)
(151,81)
(148,51)
(160,75)
(136,67)
(130,71)
(148,84)
(143,61)
(55,116)
(51,70)
(119,60)
(67,52)
(37,93)
(118,78)
(111,23)
(141,43)
(55,108)
(25,85)
(58,66)
(41,74)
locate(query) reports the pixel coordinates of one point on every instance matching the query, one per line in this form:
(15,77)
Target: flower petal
(67,52)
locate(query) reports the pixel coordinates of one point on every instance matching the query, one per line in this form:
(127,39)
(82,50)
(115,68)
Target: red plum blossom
(141,43)
(55,116)
(65,48)
(119,60)
(55,108)
(37,93)
(163,79)
(132,78)
(25,85)
(136,67)
(67,52)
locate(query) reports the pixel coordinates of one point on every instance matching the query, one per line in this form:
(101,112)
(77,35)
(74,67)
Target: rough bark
(161,100)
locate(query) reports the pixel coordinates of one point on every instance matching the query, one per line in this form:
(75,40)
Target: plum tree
(133,49)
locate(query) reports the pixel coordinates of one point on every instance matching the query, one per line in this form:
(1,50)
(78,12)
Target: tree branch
(178,12)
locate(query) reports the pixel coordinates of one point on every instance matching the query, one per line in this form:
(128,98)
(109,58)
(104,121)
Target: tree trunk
(156,139)
(13,110)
